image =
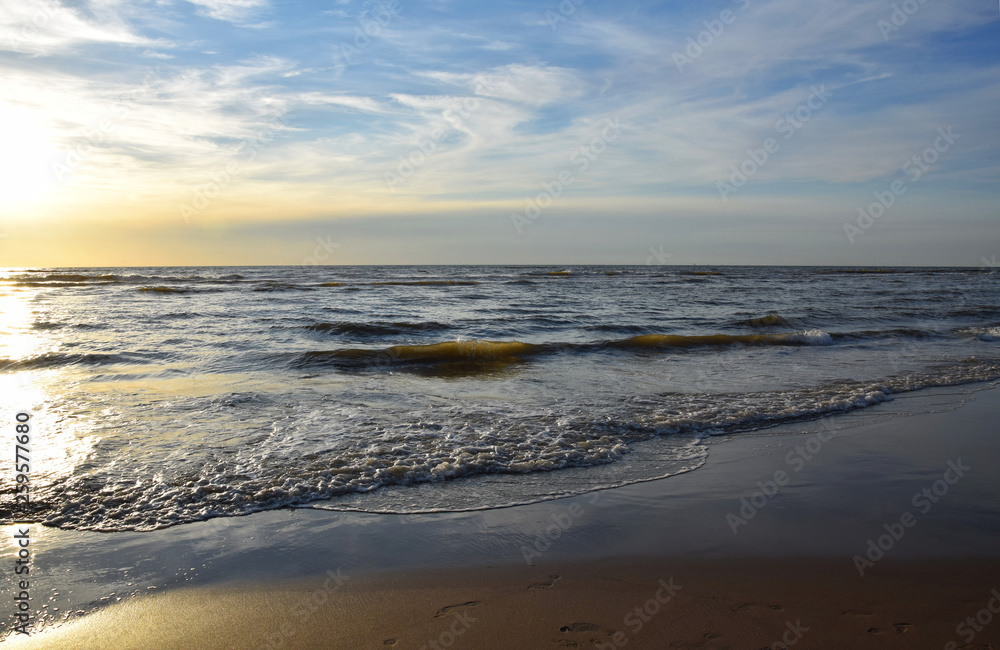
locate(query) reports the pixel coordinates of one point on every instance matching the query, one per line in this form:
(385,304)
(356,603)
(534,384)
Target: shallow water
(166,395)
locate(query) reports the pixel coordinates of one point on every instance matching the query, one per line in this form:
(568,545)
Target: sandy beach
(735,603)
(877,529)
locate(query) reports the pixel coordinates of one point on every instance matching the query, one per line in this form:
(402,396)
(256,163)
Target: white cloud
(233,11)
(366,104)
(152,54)
(46,27)
(518,83)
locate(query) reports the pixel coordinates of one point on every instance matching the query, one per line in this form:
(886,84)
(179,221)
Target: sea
(161,396)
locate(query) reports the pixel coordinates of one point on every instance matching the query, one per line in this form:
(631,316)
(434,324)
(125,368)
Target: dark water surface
(167,395)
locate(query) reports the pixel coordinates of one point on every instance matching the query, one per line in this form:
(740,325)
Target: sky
(177,132)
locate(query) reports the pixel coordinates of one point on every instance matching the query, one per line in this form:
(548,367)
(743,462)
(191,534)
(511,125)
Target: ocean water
(168,395)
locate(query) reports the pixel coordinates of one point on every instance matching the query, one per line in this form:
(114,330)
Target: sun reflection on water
(61,434)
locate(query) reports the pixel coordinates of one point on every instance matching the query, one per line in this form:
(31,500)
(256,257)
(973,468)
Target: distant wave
(161,290)
(771,320)
(492,354)
(425,283)
(281,286)
(895,332)
(65,277)
(615,328)
(56,359)
(377,328)
(806,337)
(989,333)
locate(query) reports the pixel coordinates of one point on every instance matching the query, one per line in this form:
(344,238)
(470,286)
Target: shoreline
(608,548)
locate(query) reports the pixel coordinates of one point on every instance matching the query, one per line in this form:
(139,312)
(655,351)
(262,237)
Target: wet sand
(572,572)
(641,603)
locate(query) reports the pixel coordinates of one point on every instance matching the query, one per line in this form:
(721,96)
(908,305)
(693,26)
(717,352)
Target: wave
(473,441)
(47,325)
(425,283)
(161,290)
(270,285)
(459,356)
(620,329)
(477,355)
(806,337)
(377,328)
(56,359)
(73,277)
(896,332)
(900,270)
(771,320)
(990,333)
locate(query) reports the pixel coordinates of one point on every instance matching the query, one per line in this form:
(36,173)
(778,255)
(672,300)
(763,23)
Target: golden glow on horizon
(26,156)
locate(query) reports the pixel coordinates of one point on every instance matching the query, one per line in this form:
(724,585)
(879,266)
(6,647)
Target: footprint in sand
(580,627)
(901,627)
(874,630)
(742,607)
(444,611)
(544,585)
(857,612)
(389,642)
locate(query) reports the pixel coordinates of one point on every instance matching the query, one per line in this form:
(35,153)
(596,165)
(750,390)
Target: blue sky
(240,131)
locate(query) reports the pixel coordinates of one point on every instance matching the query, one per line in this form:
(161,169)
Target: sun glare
(17,340)
(26,156)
